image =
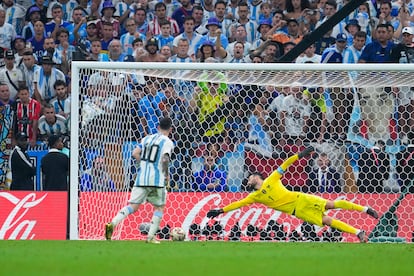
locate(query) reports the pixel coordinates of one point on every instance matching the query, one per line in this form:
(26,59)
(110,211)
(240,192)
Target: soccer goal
(234,119)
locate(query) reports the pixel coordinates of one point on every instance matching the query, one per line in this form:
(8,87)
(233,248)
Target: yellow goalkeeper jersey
(273,193)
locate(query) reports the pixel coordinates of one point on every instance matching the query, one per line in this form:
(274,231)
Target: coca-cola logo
(15,225)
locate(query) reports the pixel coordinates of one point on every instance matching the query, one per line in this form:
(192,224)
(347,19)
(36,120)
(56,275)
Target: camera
(311,12)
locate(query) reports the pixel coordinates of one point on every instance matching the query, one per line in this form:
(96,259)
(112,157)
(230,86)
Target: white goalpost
(243,118)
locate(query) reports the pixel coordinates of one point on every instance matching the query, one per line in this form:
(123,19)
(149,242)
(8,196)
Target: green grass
(203,258)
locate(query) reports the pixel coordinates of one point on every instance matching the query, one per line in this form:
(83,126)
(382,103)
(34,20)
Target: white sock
(122,214)
(155,224)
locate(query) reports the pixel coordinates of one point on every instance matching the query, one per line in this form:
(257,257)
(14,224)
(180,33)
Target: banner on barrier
(184,209)
(33,215)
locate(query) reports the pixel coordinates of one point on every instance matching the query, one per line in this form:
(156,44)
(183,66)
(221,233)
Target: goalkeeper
(310,208)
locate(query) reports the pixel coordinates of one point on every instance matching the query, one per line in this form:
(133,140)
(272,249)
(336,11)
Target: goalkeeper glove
(214,213)
(306,152)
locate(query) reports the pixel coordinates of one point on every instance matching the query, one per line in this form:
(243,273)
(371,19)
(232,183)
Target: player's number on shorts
(150,153)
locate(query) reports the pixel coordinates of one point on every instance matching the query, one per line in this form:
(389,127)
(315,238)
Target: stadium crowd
(39,39)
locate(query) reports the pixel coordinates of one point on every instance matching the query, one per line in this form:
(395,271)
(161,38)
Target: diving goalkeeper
(272,193)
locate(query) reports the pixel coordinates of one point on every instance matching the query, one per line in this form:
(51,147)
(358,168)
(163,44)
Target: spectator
(265,12)
(11,75)
(8,31)
(352,53)
(166,51)
(208,50)
(405,164)
(36,42)
(367,18)
(38,4)
(44,79)
(263,29)
(378,51)
(278,24)
(385,16)
(51,51)
(34,16)
(149,106)
(85,43)
(95,51)
(309,56)
(51,123)
(318,122)
(77,29)
(294,117)
(210,178)
(352,28)
(188,34)
(329,9)
(214,35)
(326,41)
(374,169)
(152,54)
(295,9)
(21,167)
(240,37)
(61,103)
(293,32)
(404,53)
(220,14)
(138,46)
(182,52)
(107,18)
(55,166)
(129,37)
(19,47)
(181,13)
(106,34)
(115,53)
(160,15)
(6,126)
(250,25)
(165,38)
(324,178)
(198,15)
(15,14)
(67,8)
(334,54)
(27,114)
(65,50)
(209,103)
(140,17)
(29,67)
(97,178)
(57,21)
(237,55)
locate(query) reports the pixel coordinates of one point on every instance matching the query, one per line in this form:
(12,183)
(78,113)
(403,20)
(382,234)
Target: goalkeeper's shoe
(372,212)
(109,229)
(362,236)
(153,240)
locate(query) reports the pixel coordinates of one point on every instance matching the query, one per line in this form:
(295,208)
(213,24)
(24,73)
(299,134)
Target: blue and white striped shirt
(153,148)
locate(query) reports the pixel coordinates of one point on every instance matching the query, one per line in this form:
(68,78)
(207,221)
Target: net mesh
(230,123)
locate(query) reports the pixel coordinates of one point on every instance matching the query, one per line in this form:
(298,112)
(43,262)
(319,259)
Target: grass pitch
(203,258)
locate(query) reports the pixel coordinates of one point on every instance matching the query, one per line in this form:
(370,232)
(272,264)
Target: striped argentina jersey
(153,147)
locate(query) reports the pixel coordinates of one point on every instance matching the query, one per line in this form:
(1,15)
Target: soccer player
(153,154)
(310,208)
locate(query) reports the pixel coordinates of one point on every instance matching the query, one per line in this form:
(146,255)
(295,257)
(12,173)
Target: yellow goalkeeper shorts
(310,208)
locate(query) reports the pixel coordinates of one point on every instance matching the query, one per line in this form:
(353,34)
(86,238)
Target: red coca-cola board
(33,215)
(184,209)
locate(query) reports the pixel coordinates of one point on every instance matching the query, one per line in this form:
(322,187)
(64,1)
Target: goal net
(230,120)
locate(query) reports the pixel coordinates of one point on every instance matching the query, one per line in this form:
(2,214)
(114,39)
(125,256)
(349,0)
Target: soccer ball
(177,234)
